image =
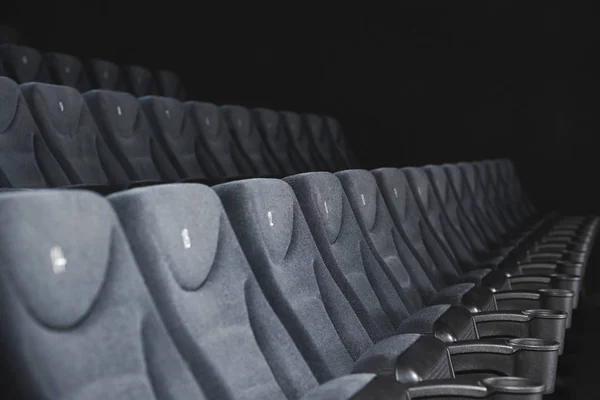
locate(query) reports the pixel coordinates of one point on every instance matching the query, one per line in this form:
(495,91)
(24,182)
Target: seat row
(427,282)
(53,136)
(25,64)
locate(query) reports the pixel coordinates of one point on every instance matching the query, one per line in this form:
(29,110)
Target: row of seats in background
(54,136)
(318,286)
(26,64)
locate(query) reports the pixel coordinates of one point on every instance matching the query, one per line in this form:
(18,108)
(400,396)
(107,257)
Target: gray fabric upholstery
(391,245)
(210,300)
(170,85)
(300,147)
(269,124)
(67,70)
(172,130)
(126,131)
(77,321)
(106,75)
(71,134)
(216,149)
(24,64)
(344,158)
(140,81)
(254,158)
(275,236)
(347,255)
(25,160)
(321,142)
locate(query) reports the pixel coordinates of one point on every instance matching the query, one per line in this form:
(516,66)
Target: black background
(416,83)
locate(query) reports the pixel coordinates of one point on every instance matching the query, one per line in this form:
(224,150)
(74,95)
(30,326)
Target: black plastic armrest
(518,300)
(488,388)
(540,323)
(558,267)
(530,282)
(534,359)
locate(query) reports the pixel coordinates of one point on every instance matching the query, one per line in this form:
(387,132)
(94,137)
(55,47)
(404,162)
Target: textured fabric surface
(253,157)
(25,160)
(69,130)
(106,75)
(346,253)
(171,129)
(208,296)
(140,81)
(344,158)
(321,143)
(278,243)
(110,342)
(67,70)
(300,147)
(216,150)
(271,128)
(386,241)
(24,64)
(170,85)
(126,131)
(341,388)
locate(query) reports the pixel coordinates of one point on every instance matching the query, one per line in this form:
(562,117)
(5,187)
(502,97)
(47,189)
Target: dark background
(411,84)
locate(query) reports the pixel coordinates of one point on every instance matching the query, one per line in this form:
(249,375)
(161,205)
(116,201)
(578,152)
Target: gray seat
(24,64)
(170,85)
(210,300)
(252,156)
(300,142)
(129,136)
(105,75)
(68,70)
(25,160)
(277,142)
(140,81)
(405,243)
(176,134)
(68,128)
(77,321)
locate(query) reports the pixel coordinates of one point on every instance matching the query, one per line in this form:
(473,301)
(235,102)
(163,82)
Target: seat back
(24,64)
(300,151)
(173,132)
(128,134)
(321,143)
(344,157)
(451,251)
(453,209)
(268,123)
(386,241)
(77,320)
(207,295)
(69,130)
(25,160)
(275,237)
(346,254)
(67,70)
(140,81)
(170,85)
(216,150)
(105,75)
(254,159)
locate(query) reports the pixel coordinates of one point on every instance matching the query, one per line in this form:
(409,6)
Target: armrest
(495,388)
(558,266)
(551,299)
(492,279)
(385,388)
(537,323)
(530,282)
(534,359)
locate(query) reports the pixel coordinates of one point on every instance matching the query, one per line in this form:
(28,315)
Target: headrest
(268,121)
(166,112)
(107,74)
(238,120)
(326,194)
(62,106)
(25,61)
(269,206)
(292,123)
(119,112)
(55,247)
(185,221)
(207,117)
(362,191)
(314,123)
(65,67)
